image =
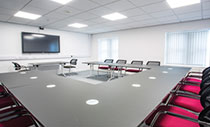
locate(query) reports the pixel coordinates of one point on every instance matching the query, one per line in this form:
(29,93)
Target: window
(187,48)
(107,48)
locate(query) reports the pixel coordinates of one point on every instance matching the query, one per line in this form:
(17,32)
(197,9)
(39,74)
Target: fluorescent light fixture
(77,25)
(51,86)
(38,35)
(152,78)
(33,77)
(182,3)
(136,85)
(92,102)
(27,15)
(62,1)
(114,16)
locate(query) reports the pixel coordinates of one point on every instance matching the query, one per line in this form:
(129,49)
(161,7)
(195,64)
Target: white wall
(145,43)
(71,43)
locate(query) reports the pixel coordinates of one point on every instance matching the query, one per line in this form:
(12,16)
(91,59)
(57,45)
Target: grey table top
(120,104)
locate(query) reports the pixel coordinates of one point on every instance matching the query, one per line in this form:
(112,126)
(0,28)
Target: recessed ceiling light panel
(62,1)
(27,15)
(77,25)
(114,16)
(182,3)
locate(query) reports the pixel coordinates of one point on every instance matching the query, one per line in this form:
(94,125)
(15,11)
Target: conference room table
(120,104)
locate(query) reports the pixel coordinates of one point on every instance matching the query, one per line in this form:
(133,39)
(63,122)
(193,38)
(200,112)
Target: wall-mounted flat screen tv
(40,43)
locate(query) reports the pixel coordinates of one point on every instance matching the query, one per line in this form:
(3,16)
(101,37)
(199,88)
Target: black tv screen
(40,43)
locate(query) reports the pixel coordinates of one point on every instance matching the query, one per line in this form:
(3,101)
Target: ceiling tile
(19,20)
(162,13)
(120,5)
(145,2)
(4,17)
(35,10)
(205,0)
(67,11)
(44,4)
(168,18)
(189,15)
(148,21)
(168,21)
(101,11)
(99,20)
(191,19)
(44,21)
(102,2)
(206,5)
(206,14)
(118,22)
(156,7)
(83,5)
(7,11)
(142,17)
(187,9)
(85,16)
(13,4)
(63,23)
(133,12)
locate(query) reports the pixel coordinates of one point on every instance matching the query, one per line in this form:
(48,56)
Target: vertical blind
(107,48)
(187,48)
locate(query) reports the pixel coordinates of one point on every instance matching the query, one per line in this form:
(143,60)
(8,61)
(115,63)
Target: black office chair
(106,61)
(19,67)
(71,65)
(105,67)
(120,61)
(135,62)
(153,63)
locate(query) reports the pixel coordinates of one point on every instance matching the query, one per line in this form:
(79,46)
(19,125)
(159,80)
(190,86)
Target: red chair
(7,101)
(169,116)
(135,62)
(191,88)
(22,120)
(189,102)
(198,77)
(186,102)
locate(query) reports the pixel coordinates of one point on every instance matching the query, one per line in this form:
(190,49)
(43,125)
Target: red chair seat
(190,79)
(6,101)
(133,70)
(187,102)
(21,121)
(103,67)
(2,90)
(166,120)
(190,88)
(116,69)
